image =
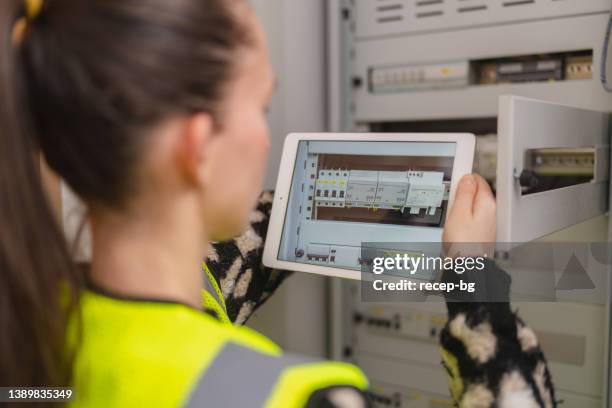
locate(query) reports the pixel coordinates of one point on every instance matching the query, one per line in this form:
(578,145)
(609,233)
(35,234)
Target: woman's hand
(472,216)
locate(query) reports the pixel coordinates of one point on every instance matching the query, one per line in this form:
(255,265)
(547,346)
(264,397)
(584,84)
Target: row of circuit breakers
(394,190)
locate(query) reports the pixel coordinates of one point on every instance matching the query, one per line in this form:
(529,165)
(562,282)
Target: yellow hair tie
(33,9)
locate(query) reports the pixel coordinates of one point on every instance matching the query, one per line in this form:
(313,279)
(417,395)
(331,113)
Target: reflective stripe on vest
(240,377)
(243,377)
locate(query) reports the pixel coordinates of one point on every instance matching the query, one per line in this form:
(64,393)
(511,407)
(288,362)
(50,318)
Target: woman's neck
(153,254)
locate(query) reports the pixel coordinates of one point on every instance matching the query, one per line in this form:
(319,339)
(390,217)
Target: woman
(153,111)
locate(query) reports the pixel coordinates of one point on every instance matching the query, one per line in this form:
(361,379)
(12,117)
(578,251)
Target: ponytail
(38,282)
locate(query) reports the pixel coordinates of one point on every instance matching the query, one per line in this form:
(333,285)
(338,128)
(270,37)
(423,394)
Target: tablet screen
(344,193)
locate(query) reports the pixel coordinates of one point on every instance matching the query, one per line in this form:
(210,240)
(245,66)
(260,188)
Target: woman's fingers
(472,218)
(484,201)
(464,197)
(485,212)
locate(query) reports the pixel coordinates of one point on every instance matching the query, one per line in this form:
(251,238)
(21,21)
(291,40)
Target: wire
(604,57)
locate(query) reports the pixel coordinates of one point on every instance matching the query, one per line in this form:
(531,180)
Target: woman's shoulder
(161,321)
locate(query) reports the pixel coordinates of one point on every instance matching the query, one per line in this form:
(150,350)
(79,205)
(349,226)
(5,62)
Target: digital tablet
(337,191)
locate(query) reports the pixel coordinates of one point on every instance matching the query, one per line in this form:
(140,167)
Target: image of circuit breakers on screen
(331,188)
(411,191)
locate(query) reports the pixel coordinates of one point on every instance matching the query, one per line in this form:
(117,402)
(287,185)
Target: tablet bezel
(464,159)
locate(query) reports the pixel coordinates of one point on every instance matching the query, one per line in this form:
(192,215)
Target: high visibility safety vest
(141,353)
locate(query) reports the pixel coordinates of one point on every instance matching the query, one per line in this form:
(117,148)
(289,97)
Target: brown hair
(86,82)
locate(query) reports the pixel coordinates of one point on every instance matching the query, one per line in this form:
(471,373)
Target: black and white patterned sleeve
(237,266)
(339,397)
(492,358)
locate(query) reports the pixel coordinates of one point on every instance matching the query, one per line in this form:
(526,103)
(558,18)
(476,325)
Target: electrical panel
(523,75)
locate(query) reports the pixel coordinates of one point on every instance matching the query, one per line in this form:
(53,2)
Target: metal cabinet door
(527,124)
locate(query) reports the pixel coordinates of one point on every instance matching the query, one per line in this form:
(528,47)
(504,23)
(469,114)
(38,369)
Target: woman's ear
(194,146)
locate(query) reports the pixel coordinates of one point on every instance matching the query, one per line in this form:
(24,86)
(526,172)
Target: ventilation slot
(518,3)
(389,19)
(389,12)
(390,7)
(430,14)
(428,2)
(472,9)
